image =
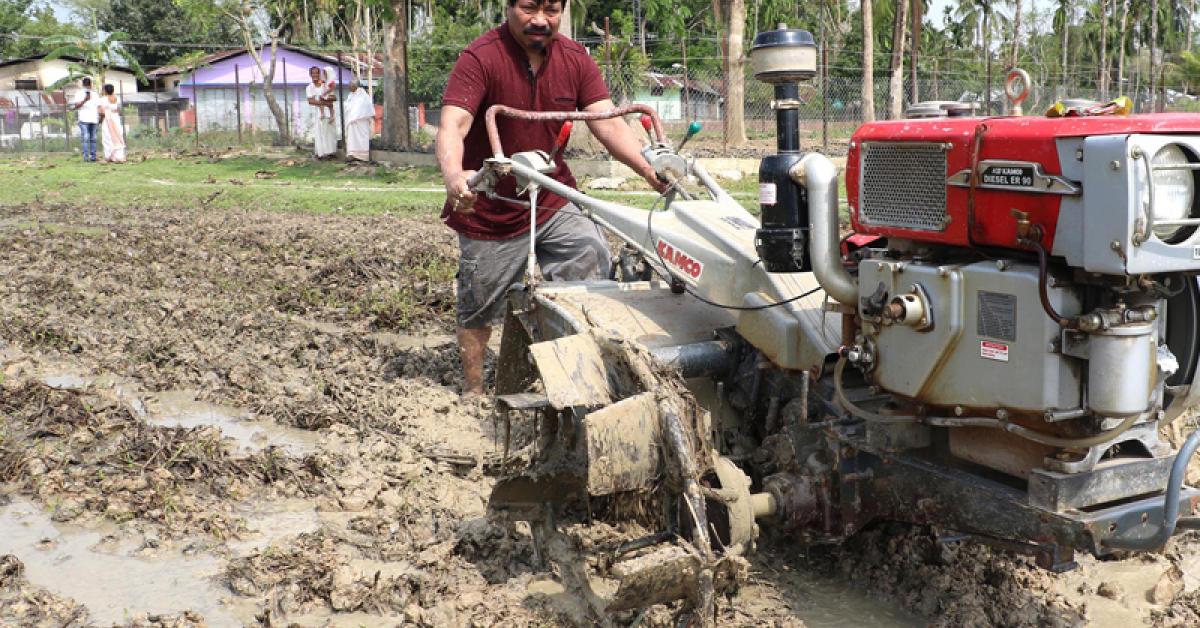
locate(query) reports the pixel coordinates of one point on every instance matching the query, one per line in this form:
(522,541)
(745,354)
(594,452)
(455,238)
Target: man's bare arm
(456,123)
(618,138)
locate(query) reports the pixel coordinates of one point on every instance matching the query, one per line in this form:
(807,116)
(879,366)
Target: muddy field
(236,418)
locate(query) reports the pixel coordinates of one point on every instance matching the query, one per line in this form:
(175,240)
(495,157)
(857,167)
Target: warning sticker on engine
(768,194)
(993,350)
(1008,175)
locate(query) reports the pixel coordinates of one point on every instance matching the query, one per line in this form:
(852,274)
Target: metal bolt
(1115,245)
(1078,154)
(1136,152)
(1114,164)
(1001,265)
(958,410)
(942,271)
(1002,414)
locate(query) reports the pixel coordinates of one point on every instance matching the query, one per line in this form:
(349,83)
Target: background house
(670,93)
(225,80)
(28,112)
(36,73)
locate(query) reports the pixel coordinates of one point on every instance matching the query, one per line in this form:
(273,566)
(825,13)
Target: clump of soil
(91,456)
(959,584)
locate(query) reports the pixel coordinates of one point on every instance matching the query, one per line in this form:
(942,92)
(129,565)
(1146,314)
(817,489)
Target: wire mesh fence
(236,112)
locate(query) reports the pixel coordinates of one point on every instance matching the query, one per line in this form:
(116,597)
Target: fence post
(824,97)
(342,98)
(607,55)
(66,121)
(42,119)
(195,109)
(237,88)
(124,122)
(287,105)
(157,113)
(20,138)
(686,115)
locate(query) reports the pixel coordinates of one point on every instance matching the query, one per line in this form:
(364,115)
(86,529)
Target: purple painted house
(226,79)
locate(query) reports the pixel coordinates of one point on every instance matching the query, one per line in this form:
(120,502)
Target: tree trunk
(736,98)
(1064,39)
(269,95)
(1121,48)
(1016,43)
(868,62)
(1103,50)
(987,51)
(896,78)
(396,134)
(1155,53)
(915,48)
(268,73)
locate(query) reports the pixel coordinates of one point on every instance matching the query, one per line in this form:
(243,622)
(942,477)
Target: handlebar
(554,116)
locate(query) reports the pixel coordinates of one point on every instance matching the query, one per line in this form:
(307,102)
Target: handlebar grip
(564,134)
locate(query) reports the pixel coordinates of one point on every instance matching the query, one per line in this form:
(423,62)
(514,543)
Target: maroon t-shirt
(494,70)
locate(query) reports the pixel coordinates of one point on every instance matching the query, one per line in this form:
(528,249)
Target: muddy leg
(472,345)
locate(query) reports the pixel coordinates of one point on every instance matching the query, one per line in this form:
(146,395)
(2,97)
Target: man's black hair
(87,82)
(109,90)
(540,2)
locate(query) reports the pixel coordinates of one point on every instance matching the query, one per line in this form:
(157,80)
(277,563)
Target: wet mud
(255,419)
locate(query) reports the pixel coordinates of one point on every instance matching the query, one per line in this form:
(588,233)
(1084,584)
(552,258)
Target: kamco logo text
(680,260)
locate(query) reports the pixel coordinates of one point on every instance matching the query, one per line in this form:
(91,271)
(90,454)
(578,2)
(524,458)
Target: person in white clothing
(360,121)
(86,103)
(111,131)
(324,133)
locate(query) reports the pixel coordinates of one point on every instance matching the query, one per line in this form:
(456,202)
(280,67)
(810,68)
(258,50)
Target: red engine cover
(1029,138)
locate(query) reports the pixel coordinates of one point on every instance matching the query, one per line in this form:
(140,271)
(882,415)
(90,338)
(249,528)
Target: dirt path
(253,418)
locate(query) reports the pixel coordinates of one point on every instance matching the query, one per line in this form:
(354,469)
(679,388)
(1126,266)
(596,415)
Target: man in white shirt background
(89,118)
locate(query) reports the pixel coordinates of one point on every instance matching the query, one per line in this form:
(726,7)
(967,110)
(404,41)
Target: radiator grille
(903,185)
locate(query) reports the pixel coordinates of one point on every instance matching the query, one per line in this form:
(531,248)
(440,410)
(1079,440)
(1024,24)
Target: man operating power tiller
(523,64)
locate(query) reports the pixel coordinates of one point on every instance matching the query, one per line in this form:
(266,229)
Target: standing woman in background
(112,135)
(320,97)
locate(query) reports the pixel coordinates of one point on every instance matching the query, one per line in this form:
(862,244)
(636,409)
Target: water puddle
(274,521)
(181,409)
(408,342)
(832,603)
(68,562)
(65,381)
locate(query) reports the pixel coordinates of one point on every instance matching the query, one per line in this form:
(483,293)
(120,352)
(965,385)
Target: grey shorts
(570,247)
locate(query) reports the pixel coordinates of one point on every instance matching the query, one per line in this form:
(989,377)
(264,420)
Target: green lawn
(291,182)
(281,182)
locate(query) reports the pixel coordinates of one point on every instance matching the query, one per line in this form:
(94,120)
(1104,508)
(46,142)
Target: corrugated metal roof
(348,59)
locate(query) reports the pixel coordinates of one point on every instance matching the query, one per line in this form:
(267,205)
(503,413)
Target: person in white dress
(324,129)
(360,122)
(112,134)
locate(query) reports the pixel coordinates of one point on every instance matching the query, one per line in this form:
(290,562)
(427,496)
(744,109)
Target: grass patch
(284,182)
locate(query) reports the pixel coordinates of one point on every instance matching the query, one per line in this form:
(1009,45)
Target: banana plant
(92,56)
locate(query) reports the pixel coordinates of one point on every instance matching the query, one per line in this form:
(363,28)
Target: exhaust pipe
(819,177)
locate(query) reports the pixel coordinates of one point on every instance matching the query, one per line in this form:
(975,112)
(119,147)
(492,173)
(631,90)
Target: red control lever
(560,142)
(647,123)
